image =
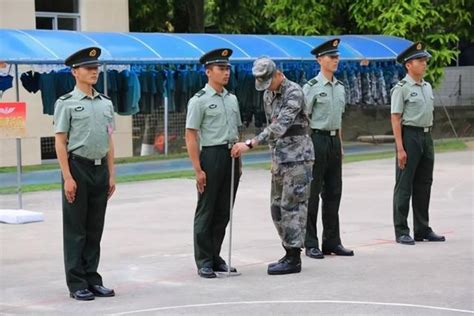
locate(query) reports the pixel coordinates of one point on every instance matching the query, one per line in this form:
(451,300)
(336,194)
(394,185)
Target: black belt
(87,161)
(296,130)
(223,146)
(419,129)
(327,133)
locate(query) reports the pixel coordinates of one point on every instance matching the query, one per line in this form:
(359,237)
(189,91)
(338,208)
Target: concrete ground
(147,253)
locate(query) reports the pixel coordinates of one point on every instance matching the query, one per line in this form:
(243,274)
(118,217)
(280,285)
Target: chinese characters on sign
(12,119)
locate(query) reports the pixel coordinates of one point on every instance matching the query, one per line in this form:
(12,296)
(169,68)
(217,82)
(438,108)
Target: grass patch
(440,146)
(122,179)
(449,145)
(124,160)
(50,166)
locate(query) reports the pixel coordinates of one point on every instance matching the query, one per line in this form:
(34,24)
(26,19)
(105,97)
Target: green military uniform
(88,122)
(217,117)
(325,102)
(414,101)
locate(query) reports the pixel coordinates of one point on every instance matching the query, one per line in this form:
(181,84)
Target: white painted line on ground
(294,302)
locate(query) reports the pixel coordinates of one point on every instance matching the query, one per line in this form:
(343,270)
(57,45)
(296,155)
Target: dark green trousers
(414,182)
(327,182)
(212,212)
(83,223)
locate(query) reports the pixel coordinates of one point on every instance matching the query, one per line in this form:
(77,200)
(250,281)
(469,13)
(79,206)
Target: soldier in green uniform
(412,119)
(83,124)
(325,102)
(212,123)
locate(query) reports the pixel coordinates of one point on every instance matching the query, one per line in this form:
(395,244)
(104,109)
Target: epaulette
(105,96)
(401,83)
(312,82)
(340,82)
(200,93)
(65,97)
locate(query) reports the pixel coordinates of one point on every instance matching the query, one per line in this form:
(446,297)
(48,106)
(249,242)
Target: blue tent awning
(50,47)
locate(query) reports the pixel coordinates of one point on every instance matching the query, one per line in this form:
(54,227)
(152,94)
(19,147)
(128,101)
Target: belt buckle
(426,129)
(332,133)
(97,162)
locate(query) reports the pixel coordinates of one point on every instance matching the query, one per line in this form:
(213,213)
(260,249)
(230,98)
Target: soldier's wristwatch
(248,142)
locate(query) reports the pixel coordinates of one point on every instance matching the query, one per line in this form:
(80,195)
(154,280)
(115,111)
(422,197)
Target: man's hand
(70,188)
(200,181)
(402,158)
(238,149)
(111,187)
(342,152)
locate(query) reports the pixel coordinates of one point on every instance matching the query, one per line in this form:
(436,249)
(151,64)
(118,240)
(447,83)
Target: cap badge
(418,47)
(92,53)
(224,53)
(335,43)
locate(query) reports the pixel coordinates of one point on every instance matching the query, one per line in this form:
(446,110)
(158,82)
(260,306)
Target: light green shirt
(414,101)
(216,116)
(87,121)
(325,102)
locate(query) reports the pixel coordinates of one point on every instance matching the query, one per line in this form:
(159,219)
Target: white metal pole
(105,80)
(18,146)
(166,125)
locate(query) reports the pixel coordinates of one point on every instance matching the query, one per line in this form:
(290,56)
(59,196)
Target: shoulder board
(65,97)
(312,82)
(200,93)
(105,96)
(340,82)
(401,83)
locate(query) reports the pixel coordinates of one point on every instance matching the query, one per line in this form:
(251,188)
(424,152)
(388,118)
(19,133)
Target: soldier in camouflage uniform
(292,159)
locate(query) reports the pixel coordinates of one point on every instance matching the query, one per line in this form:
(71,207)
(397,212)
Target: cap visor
(91,63)
(330,53)
(262,85)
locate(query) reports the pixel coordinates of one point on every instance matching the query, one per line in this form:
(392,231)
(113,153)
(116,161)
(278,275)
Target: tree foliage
(438,23)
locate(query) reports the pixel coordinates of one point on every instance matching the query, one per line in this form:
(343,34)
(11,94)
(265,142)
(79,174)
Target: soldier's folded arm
(285,118)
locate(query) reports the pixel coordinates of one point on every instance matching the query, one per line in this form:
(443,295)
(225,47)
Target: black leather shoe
(339,250)
(207,273)
(431,236)
(223,267)
(82,295)
(101,291)
(405,240)
(291,263)
(314,253)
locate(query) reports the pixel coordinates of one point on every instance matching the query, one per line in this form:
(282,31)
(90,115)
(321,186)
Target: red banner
(12,119)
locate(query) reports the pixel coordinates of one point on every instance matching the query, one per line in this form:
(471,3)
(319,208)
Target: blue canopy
(52,47)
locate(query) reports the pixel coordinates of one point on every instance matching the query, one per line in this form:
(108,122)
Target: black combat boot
(282,259)
(291,263)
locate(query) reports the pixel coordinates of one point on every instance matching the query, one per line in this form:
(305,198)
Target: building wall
(17,14)
(104,15)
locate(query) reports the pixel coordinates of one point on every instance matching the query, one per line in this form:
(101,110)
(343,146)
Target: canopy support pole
(18,146)
(166,123)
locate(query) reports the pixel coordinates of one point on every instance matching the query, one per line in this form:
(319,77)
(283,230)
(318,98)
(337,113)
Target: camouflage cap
(263,69)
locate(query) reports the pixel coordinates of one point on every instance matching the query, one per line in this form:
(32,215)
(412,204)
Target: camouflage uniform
(292,161)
